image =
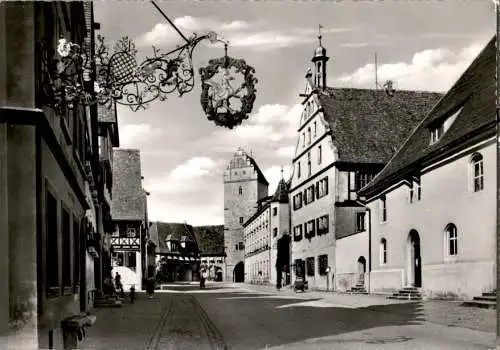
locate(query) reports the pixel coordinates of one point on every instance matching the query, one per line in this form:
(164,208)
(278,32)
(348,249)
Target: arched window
(477,172)
(451,236)
(383,251)
(240,191)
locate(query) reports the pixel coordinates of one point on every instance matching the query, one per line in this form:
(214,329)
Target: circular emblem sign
(228,91)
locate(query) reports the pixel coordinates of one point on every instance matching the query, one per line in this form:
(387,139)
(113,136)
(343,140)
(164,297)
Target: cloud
(239,33)
(136,135)
(286,151)
(354,45)
(431,70)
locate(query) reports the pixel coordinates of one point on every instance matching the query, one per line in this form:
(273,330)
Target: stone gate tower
(244,185)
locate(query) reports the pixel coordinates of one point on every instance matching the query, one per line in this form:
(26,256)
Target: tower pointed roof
(281,194)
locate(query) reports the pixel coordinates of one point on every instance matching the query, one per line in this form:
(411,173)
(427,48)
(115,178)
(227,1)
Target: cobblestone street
(227,316)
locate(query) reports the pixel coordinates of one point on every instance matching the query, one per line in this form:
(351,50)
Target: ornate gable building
(345,136)
(244,185)
(433,220)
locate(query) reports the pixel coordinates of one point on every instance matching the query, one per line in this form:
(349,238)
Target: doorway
(361,270)
(239,272)
(414,275)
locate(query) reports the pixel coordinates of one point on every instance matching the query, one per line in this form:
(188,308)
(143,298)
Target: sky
(420,45)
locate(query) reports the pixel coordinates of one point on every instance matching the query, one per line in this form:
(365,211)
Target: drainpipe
(362,201)
(497,74)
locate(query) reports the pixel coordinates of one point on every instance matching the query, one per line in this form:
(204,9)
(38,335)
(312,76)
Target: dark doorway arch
(414,259)
(361,270)
(239,272)
(283,261)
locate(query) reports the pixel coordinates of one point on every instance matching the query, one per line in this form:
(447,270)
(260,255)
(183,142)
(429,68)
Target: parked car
(300,284)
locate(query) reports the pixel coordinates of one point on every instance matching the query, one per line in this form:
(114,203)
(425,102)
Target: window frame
(477,172)
(360,224)
(451,237)
(383,251)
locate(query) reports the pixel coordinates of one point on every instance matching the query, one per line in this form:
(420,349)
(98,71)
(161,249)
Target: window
(241,219)
(322,264)
(298,169)
(477,172)
(52,251)
(309,135)
(383,209)
(383,251)
(309,164)
(240,191)
(241,246)
(303,139)
(309,194)
(236,246)
(275,232)
(66,250)
(297,233)
(131,231)
(410,195)
(362,179)
(360,222)
(319,154)
(297,201)
(310,266)
(275,211)
(315,129)
(436,133)
(299,267)
(419,192)
(452,240)
(309,229)
(322,225)
(322,187)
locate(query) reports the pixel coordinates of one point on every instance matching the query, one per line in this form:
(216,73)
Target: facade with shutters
(336,154)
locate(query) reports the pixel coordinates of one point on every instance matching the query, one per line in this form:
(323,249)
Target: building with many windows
(345,136)
(244,186)
(433,207)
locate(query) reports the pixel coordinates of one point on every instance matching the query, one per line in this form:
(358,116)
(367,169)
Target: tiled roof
(474,92)
(369,125)
(281,194)
(106,114)
(236,163)
(210,239)
(128,197)
(173,232)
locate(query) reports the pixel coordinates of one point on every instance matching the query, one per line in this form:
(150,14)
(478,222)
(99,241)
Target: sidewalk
(448,313)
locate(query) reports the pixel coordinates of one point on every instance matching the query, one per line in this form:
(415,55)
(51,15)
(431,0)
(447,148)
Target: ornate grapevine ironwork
(68,75)
(216,97)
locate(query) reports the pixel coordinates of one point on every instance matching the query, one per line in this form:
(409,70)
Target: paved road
(224,317)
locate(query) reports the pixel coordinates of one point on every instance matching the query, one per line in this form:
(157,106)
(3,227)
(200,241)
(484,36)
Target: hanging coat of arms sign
(228,91)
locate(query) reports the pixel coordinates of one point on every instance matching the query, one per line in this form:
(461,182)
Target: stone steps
(357,289)
(407,293)
(487,300)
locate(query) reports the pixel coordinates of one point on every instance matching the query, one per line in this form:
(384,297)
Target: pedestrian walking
(118,284)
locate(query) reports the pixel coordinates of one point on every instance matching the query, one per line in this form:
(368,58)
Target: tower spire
(282,172)
(319,59)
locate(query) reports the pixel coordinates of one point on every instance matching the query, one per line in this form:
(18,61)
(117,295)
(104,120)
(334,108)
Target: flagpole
(376,72)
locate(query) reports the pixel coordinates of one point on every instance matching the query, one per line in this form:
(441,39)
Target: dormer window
(436,133)
(438,130)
